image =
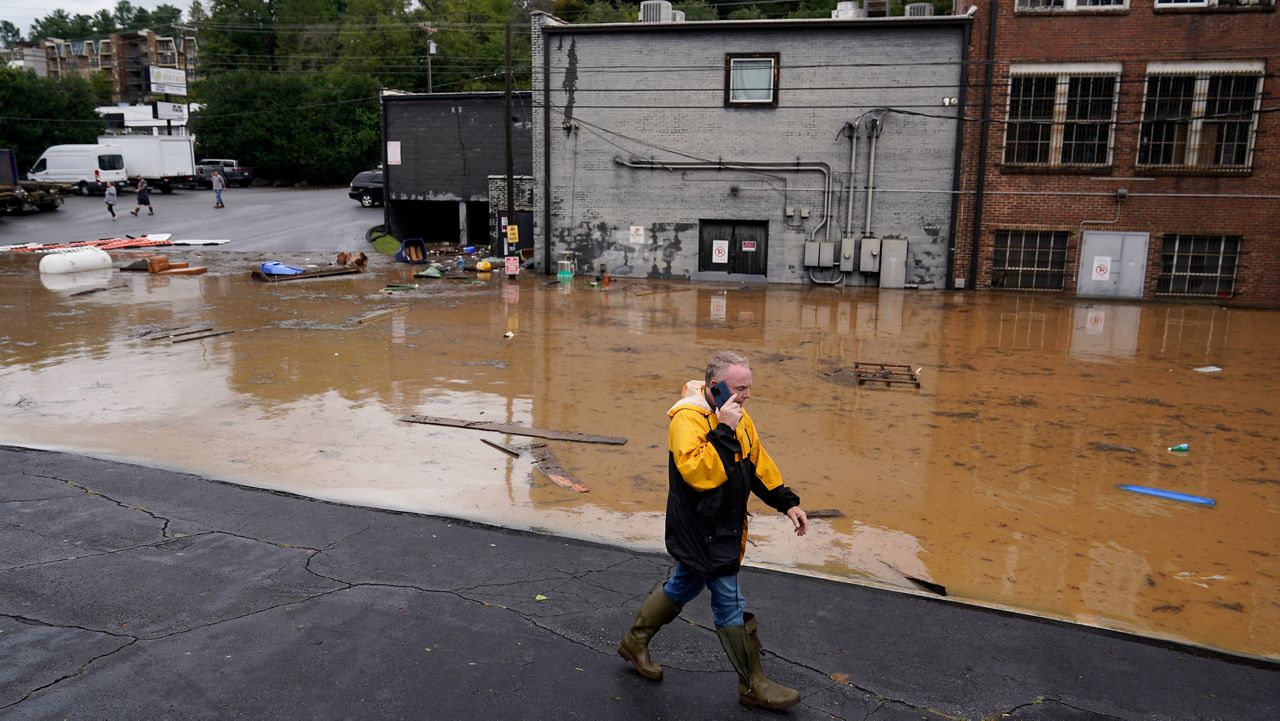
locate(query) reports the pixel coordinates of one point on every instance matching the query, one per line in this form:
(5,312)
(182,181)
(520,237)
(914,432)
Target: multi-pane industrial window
(1199,120)
(1029,259)
(1208,3)
(1031,5)
(751,79)
(1203,265)
(1060,119)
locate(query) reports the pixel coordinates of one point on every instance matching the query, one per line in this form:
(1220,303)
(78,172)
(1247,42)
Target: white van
(89,167)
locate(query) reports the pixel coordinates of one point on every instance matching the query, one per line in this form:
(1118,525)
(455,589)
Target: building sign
(749,246)
(168,80)
(513,262)
(637,234)
(393,152)
(513,234)
(170,111)
(719,251)
(1102,267)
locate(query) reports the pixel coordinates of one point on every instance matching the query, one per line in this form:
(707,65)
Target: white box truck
(90,168)
(164,160)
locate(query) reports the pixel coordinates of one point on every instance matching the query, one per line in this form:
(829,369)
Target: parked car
(232,172)
(366,188)
(90,168)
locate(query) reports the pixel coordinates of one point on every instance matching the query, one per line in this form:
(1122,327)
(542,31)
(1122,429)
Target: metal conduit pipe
(799,167)
(852,130)
(874,126)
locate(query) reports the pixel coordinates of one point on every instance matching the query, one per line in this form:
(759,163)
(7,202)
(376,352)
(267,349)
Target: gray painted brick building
(724,150)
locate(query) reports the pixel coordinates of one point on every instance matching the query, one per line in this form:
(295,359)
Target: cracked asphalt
(129,592)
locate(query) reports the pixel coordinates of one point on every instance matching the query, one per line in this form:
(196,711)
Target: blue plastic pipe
(1172,495)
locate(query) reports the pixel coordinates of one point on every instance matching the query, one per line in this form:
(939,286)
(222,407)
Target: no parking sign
(1102,267)
(719,251)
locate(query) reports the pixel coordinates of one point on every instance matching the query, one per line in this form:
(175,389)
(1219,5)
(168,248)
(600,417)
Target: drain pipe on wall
(549,267)
(1121,194)
(975,241)
(957,158)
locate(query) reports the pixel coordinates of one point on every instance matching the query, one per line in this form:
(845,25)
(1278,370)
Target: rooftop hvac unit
(846,10)
(919,10)
(677,16)
(655,11)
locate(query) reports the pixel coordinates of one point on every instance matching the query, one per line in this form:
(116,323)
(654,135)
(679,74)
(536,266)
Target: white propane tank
(99,278)
(80,260)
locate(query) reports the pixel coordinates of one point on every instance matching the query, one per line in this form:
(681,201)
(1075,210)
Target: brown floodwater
(997,478)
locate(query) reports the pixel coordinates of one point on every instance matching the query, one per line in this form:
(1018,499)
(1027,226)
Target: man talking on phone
(715,461)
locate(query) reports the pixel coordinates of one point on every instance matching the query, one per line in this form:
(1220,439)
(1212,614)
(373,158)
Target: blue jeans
(217,195)
(727,603)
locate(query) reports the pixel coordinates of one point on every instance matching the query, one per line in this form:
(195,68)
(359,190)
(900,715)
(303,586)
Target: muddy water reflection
(996,479)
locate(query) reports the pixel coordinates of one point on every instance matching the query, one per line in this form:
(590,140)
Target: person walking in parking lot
(144,197)
(715,462)
(217,183)
(110,199)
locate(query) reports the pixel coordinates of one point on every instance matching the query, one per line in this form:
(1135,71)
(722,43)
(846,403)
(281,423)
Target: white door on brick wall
(1112,264)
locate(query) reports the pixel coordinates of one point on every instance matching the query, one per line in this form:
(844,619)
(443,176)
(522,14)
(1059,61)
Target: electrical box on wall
(848,255)
(869,259)
(811,255)
(826,255)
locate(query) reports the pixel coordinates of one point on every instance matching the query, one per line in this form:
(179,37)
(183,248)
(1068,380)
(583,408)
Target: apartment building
(125,56)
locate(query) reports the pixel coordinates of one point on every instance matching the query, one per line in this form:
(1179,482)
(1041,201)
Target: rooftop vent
(655,11)
(919,10)
(846,10)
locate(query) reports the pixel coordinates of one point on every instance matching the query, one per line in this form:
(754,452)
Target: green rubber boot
(657,611)
(754,688)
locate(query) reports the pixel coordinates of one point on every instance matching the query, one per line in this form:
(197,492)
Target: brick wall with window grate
(1216,175)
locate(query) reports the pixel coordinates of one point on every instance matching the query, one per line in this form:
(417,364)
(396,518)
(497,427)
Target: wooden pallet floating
(886,373)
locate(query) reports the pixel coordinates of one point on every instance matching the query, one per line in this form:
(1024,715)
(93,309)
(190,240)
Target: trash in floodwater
(515,429)
(435,270)
(825,513)
(539,598)
(1100,446)
(383,314)
(1180,448)
(1208,369)
(929,586)
(399,287)
(1171,495)
(509,335)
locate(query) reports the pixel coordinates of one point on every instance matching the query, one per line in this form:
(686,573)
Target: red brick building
(1126,148)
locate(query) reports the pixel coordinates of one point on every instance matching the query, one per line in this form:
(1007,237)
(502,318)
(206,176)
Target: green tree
(104,23)
(196,13)
(747,12)
(164,18)
(307,34)
(296,126)
(56,24)
(376,40)
(698,10)
(37,112)
(10,35)
(100,86)
(471,38)
(238,32)
(125,13)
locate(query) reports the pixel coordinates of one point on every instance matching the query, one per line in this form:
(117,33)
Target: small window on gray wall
(751,79)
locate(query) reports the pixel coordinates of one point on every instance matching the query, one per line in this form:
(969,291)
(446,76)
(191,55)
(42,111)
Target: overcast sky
(24,12)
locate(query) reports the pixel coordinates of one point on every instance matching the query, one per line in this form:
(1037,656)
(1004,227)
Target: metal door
(1112,264)
(733,246)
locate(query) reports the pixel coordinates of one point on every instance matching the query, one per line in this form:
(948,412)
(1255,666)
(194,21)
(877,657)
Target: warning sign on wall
(1102,267)
(719,251)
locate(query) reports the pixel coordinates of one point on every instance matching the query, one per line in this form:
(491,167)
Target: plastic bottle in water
(1180,448)
(460,264)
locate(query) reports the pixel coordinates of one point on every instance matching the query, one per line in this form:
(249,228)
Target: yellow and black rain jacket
(712,470)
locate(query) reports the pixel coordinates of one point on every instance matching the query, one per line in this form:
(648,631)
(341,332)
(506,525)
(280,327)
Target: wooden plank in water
(186,338)
(515,429)
(173,332)
(550,467)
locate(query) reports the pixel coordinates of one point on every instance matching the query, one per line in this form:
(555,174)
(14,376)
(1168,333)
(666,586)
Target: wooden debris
(550,467)
(172,332)
(383,314)
(96,290)
(509,451)
(886,373)
(515,429)
(186,338)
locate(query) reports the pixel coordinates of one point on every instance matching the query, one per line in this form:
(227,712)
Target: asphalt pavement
(254,219)
(128,592)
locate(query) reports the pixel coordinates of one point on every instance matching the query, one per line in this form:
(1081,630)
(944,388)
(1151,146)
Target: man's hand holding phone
(728,410)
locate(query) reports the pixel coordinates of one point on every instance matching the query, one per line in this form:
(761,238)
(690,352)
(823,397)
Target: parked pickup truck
(232,171)
(17,196)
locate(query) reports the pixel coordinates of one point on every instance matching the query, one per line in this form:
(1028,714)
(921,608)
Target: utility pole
(511,200)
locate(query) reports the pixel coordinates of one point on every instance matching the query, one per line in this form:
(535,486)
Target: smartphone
(720,394)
